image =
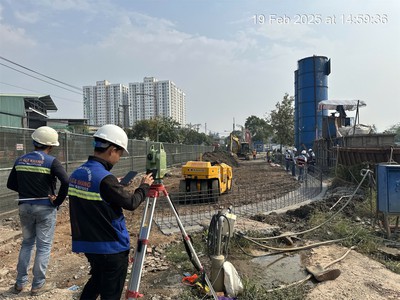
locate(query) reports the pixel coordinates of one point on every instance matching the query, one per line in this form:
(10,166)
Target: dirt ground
(361,277)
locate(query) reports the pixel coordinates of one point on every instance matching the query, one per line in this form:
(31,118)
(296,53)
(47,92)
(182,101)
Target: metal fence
(194,211)
(74,149)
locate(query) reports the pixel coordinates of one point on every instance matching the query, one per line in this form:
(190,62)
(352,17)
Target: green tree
(396,130)
(141,130)
(162,129)
(192,137)
(281,120)
(259,128)
(167,130)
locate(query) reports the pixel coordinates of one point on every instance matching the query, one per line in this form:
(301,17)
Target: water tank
(311,87)
(296,108)
(388,188)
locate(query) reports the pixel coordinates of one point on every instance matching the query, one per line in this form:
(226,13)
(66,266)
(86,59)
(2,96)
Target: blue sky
(229,66)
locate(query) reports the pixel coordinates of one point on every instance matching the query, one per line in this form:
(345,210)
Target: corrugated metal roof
(46,99)
(354,156)
(347,104)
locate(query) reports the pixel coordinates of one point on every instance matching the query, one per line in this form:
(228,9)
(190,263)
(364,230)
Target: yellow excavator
(241,149)
(205,180)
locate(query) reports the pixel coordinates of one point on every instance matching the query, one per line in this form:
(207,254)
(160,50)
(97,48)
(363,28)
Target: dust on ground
(361,277)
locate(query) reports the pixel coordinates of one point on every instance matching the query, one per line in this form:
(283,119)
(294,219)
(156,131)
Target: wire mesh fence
(74,150)
(195,209)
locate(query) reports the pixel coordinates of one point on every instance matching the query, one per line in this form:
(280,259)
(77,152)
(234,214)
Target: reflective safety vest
(34,174)
(311,157)
(96,226)
(288,156)
(301,160)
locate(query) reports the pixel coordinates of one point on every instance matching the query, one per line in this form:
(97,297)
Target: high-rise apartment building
(152,98)
(117,104)
(105,103)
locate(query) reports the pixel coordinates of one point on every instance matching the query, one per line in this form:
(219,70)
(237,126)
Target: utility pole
(125,114)
(157,130)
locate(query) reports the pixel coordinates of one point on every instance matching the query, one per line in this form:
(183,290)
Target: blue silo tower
(311,87)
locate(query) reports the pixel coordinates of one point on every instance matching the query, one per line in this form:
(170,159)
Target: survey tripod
(156,189)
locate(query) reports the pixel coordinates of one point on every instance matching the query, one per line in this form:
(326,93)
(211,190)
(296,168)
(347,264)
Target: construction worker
(97,200)
(311,160)
(293,161)
(269,156)
(254,152)
(301,161)
(288,159)
(34,176)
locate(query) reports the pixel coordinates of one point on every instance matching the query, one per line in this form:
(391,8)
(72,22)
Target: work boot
(47,286)
(16,289)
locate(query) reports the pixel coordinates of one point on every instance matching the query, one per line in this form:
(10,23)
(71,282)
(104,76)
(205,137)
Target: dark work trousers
(108,272)
(293,168)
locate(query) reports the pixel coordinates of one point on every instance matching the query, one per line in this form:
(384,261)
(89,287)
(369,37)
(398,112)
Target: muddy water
(277,270)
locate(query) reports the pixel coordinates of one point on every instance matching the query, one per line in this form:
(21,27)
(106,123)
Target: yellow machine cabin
(207,179)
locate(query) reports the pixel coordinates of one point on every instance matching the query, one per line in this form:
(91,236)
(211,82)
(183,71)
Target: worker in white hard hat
(34,176)
(301,162)
(311,160)
(293,155)
(96,202)
(288,159)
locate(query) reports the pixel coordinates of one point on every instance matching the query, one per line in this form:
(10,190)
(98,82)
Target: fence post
(66,152)
(132,154)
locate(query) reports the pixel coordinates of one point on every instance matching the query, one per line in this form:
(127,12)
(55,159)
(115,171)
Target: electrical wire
(41,79)
(323,223)
(214,231)
(309,276)
(48,77)
(16,86)
(290,249)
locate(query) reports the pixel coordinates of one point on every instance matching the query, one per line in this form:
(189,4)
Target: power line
(21,66)
(41,79)
(19,87)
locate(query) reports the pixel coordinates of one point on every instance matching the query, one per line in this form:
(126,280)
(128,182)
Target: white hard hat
(46,135)
(310,150)
(303,152)
(113,134)
(294,149)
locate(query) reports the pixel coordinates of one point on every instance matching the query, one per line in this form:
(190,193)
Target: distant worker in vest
(97,200)
(254,152)
(293,161)
(288,159)
(311,160)
(269,156)
(34,176)
(274,155)
(301,164)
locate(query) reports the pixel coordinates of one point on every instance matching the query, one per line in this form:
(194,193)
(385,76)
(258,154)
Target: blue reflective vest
(96,226)
(34,177)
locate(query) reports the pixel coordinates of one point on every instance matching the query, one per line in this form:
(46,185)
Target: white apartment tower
(117,104)
(152,98)
(105,103)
